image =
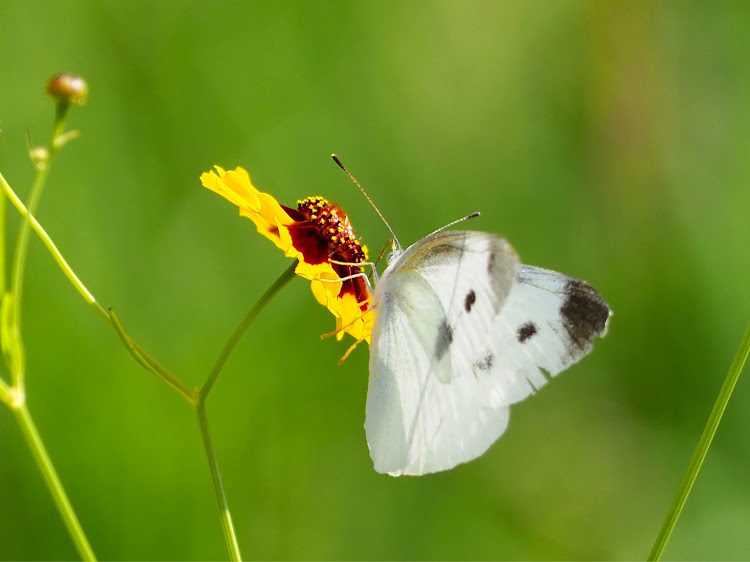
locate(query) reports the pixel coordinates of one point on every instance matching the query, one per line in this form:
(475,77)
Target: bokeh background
(607,140)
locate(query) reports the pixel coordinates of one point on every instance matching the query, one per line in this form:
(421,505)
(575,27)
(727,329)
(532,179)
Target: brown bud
(68,88)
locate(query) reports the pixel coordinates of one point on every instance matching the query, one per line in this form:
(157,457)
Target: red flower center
(322,232)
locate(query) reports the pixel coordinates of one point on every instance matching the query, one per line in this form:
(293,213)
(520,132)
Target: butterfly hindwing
(403,412)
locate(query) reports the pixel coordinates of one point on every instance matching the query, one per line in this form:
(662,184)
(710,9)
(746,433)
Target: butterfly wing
(426,411)
(453,347)
(549,322)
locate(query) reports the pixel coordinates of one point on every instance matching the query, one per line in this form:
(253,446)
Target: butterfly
(463,330)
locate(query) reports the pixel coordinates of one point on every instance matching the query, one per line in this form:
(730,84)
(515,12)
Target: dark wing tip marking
(584,313)
(470,299)
(526,331)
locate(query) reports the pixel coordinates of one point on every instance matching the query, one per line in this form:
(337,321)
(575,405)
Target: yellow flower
(315,233)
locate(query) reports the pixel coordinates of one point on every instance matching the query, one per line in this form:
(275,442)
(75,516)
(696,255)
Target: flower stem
(148,362)
(200,407)
(701,450)
(108,315)
(196,398)
(18,267)
(3,220)
(5,392)
(53,482)
(15,394)
(225,516)
(51,247)
(246,321)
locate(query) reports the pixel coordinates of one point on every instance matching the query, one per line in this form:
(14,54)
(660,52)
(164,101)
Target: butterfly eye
(394,256)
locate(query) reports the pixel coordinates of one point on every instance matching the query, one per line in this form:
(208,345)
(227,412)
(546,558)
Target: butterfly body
(462,331)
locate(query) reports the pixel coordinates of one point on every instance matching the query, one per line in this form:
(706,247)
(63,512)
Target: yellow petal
(269,217)
(234,185)
(325,292)
(351,320)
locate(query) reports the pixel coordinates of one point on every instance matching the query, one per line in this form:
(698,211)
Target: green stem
(148,362)
(14,395)
(22,242)
(5,392)
(246,321)
(701,450)
(197,399)
(18,267)
(51,247)
(53,483)
(109,316)
(3,218)
(225,516)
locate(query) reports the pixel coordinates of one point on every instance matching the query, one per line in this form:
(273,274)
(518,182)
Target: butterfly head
(394,255)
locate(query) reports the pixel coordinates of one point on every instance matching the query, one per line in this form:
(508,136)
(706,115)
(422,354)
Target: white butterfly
(462,331)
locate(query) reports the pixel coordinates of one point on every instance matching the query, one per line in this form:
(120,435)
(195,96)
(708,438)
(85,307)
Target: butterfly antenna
(455,222)
(396,243)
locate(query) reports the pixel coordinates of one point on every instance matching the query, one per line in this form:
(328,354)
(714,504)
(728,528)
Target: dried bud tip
(68,88)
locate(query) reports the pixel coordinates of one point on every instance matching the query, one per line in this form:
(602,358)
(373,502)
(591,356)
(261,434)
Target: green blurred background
(607,140)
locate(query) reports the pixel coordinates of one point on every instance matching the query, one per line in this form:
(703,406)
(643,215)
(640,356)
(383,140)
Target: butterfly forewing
(552,320)
(426,408)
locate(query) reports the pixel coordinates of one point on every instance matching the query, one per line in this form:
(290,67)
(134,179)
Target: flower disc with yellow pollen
(316,233)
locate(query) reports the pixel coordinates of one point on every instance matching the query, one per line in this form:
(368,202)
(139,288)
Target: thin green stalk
(148,362)
(4,387)
(12,342)
(51,247)
(3,225)
(109,316)
(701,450)
(22,242)
(225,516)
(18,267)
(53,482)
(197,399)
(5,392)
(246,321)
(230,538)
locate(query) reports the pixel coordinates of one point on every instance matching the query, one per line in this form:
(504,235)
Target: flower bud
(68,88)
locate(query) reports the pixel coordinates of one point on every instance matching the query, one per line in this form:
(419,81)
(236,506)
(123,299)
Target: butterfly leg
(360,264)
(348,277)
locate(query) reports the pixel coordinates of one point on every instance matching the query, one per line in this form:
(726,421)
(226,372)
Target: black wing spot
(491,262)
(471,298)
(526,331)
(485,364)
(584,313)
(444,341)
